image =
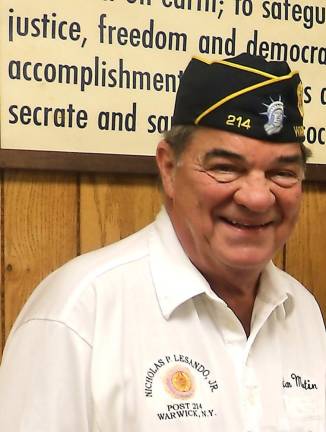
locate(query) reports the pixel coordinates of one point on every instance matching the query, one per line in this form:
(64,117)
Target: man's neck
(239,293)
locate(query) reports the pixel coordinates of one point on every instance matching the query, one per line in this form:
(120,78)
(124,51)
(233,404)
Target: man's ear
(166,163)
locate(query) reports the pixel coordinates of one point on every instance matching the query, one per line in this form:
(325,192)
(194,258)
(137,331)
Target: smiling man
(187,325)
(233,201)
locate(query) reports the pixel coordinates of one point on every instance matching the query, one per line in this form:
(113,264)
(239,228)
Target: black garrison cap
(246,95)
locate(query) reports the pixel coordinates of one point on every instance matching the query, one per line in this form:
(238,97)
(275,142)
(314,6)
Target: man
(187,325)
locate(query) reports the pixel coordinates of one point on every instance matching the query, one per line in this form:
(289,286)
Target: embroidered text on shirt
(298,381)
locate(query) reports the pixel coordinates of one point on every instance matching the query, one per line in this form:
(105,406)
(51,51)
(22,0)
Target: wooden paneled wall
(49,217)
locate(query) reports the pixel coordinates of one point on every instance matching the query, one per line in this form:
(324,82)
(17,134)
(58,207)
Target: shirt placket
(236,344)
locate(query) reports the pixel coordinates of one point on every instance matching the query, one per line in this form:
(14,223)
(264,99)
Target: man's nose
(255,193)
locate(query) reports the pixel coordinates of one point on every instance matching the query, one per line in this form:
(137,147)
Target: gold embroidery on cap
(241,92)
(300,98)
(247,68)
(236,66)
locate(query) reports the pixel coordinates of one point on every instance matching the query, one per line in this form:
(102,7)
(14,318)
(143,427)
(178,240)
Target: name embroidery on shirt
(299,382)
(184,375)
(176,376)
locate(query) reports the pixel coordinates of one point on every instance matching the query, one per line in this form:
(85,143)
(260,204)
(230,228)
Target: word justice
(45,26)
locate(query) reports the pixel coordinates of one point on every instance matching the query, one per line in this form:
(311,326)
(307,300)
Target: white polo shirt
(131,338)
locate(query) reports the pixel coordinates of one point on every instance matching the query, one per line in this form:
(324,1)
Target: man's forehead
(290,155)
(238,149)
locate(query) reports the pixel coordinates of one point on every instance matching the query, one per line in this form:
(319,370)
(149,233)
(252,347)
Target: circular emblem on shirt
(179,382)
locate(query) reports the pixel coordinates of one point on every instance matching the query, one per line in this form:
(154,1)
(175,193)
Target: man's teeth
(235,223)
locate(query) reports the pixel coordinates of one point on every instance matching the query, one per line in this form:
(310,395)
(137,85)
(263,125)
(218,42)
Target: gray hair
(178,137)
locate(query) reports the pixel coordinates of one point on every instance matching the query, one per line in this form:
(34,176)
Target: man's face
(233,200)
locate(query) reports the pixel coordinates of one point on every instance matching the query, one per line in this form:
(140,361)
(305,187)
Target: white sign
(100,76)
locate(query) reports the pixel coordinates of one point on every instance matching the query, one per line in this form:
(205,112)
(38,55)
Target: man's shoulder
(89,266)
(73,283)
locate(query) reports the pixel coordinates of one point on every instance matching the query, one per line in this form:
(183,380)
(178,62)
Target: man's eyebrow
(297,158)
(223,153)
(284,159)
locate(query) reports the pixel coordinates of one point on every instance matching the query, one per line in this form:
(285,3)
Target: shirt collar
(176,279)
(274,289)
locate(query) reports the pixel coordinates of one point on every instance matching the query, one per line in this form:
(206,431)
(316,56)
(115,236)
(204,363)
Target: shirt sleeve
(45,380)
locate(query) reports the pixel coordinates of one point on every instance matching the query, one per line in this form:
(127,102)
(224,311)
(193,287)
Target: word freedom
(150,37)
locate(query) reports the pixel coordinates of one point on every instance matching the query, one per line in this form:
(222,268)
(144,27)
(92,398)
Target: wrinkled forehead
(207,144)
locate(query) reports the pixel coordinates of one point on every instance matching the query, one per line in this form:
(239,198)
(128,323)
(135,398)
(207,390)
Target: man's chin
(248,260)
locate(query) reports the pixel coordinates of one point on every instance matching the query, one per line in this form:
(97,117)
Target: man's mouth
(246,225)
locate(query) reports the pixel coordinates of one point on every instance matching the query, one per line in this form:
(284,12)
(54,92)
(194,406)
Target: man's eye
(223,168)
(223,173)
(285,178)
(226,168)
